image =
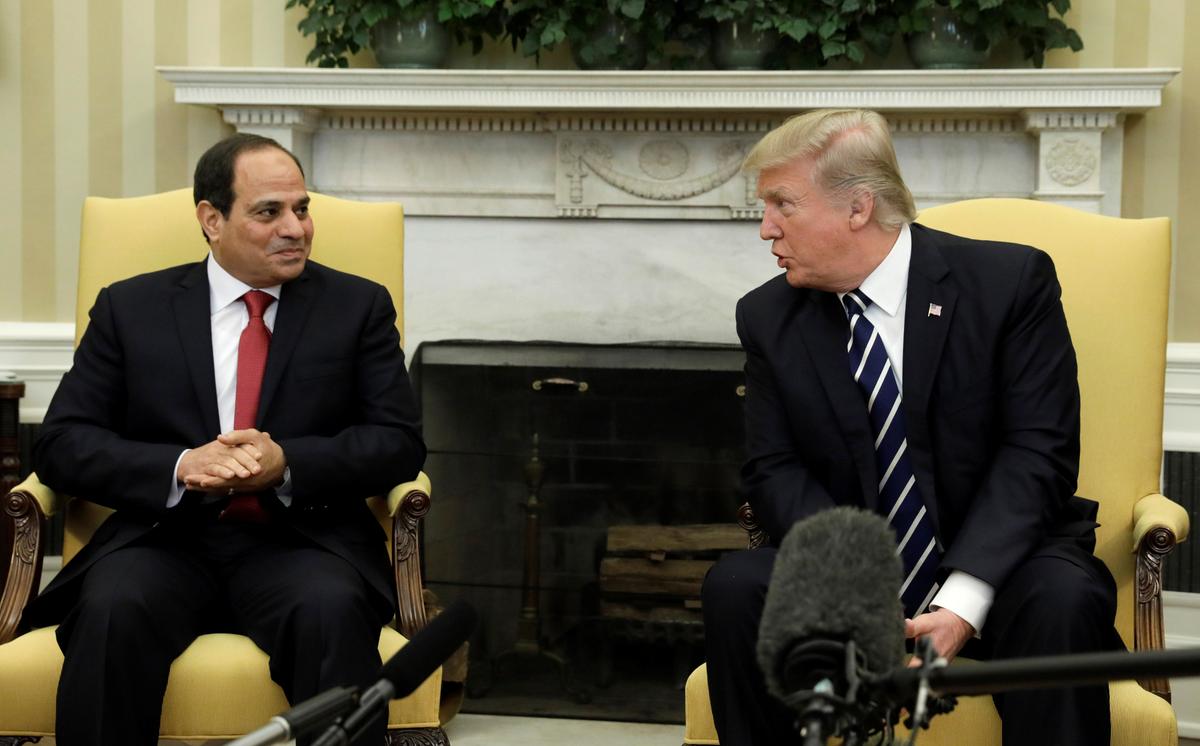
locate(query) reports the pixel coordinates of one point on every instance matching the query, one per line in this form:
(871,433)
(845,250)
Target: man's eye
(268,212)
(302,210)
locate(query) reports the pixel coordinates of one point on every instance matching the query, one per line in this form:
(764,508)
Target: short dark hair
(213,180)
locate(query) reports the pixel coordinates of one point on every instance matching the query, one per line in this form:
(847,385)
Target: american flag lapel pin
(934,310)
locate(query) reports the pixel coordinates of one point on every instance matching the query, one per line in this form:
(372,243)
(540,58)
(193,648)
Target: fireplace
(628,438)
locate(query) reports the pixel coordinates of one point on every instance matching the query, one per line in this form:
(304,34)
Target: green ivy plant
(536,26)
(341,28)
(1036,25)
(818,32)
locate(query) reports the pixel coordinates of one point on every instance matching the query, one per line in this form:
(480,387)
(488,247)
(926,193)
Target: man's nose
(290,225)
(768,230)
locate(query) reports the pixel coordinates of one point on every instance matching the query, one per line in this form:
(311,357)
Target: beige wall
(83,112)
(1162,164)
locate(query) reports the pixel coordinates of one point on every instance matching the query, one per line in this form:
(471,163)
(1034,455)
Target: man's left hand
(272,461)
(948,631)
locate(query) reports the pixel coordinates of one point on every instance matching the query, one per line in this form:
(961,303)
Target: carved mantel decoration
(544,144)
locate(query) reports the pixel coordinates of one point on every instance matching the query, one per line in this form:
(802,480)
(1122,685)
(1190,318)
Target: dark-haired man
(235,413)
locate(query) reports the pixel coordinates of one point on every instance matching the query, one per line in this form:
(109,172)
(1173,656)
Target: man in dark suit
(930,378)
(235,413)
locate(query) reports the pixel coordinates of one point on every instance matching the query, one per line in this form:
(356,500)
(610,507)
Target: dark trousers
(139,607)
(1061,601)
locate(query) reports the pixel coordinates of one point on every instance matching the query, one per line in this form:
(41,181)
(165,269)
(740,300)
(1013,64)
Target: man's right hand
(213,464)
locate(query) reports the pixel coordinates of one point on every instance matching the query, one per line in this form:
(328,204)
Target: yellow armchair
(220,687)
(1115,275)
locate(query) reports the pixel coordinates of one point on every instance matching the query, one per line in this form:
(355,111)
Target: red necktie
(251,362)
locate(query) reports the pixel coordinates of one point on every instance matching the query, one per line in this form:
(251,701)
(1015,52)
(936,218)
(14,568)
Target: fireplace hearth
(602,439)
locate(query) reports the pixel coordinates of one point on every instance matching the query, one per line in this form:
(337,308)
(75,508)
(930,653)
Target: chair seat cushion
(219,688)
(1139,718)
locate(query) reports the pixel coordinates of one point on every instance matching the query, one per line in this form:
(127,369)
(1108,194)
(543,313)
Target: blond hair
(851,150)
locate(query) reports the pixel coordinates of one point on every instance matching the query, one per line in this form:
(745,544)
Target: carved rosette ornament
(1071,162)
(663,159)
(599,160)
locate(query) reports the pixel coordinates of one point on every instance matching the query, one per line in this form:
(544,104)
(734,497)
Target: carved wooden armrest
(757,535)
(23,536)
(407,504)
(1158,525)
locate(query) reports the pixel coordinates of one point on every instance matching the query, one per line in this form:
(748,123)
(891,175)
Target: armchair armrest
(22,535)
(1158,525)
(407,504)
(418,489)
(1154,512)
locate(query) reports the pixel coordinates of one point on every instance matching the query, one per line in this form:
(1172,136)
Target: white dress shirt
(887,287)
(229,316)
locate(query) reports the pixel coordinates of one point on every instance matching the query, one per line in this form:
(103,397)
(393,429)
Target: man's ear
(211,219)
(862,208)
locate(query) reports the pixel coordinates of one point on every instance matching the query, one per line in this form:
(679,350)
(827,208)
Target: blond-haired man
(928,377)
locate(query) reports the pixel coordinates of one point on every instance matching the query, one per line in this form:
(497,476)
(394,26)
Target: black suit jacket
(335,396)
(990,397)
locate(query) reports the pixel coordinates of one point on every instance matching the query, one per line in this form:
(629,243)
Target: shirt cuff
(967,596)
(177,488)
(283,492)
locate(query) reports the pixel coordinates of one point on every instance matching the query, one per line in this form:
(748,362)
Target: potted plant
(603,34)
(344,27)
(744,31)
(811,33)
(962,33)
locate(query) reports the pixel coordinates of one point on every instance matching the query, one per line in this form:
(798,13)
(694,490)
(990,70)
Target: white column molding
(291,127)
(1071,157)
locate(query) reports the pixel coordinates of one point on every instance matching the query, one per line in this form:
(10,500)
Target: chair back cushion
(1115,276)
(120,238)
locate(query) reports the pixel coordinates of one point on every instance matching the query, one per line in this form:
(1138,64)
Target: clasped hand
(237,461)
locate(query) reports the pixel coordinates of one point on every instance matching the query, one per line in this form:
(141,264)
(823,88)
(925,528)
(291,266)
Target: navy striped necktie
(898,492)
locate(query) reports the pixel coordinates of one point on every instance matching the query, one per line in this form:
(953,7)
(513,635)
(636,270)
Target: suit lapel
(194,323)
(295,303)
(929,312)
(822,323)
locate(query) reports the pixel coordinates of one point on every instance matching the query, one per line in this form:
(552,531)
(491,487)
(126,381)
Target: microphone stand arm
(1042,672)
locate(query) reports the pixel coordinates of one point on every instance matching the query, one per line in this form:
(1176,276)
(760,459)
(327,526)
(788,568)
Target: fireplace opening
(580,493)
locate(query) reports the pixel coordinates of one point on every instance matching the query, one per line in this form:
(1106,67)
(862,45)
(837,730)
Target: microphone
(406,670)
(832,610)
(304,719)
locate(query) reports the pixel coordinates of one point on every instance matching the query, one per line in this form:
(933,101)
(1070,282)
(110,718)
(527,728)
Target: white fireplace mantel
(690,91)
(611,207)
(538,143)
